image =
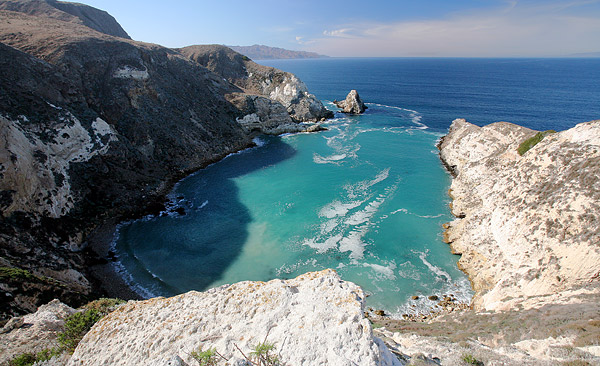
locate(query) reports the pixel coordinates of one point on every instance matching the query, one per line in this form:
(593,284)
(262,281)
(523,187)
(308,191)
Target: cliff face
(315,319)
(258,80)
(528,227)
(95,127)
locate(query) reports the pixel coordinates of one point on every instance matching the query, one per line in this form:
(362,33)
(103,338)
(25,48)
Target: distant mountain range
(586,54)
(261,52)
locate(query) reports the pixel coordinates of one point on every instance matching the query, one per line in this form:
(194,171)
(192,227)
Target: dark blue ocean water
(368,197)
(537,93)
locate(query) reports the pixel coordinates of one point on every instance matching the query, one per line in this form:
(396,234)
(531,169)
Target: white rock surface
(314,319)
(35,164)
(529,226)
(33,332)
(352,104)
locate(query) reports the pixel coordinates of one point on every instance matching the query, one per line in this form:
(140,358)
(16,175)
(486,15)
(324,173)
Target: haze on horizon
(352,28)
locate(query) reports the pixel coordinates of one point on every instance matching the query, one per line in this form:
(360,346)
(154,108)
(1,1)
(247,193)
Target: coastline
(104,272)
(100,241)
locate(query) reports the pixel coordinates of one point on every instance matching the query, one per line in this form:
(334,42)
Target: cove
(367,198)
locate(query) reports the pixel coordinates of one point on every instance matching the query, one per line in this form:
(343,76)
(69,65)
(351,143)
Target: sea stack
(352,104)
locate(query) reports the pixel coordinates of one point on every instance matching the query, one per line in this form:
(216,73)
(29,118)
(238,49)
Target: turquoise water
(367,197)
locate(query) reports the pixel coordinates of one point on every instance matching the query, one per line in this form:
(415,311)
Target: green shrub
(28,359)
(104,305)
(12,273)
(76,326)
(262,354)
(532,141)
(206,358)
(25,359)
(469,359)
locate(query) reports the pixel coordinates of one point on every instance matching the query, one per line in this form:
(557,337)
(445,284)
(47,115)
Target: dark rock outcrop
(95,127)
(352,104)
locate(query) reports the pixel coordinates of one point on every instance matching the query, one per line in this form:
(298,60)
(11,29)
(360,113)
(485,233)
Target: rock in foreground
(314,319)
(352,104)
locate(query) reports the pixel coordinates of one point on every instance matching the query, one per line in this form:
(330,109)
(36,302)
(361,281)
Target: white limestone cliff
(528,227)
(314,319)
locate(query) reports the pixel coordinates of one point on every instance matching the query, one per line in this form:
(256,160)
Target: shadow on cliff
(168,255)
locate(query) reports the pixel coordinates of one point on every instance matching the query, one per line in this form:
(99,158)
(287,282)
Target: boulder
(352,104)
(314,319)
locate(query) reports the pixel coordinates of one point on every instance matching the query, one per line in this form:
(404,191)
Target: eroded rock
(352,104)
(314,319)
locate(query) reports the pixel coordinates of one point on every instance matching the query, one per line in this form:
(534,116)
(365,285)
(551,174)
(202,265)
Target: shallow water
(367,197)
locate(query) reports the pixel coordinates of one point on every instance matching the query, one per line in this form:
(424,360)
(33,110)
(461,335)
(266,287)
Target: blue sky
(396,28)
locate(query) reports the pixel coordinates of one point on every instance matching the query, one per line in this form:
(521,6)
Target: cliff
(94,128)
(527,226)
(258,80)
(527,229)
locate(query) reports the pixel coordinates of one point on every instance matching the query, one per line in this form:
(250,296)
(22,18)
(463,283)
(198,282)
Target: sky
(374,28)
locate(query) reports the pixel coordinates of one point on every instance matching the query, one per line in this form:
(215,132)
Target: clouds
(512,28)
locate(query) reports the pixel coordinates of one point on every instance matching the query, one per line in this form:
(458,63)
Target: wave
(385,271)
(405,211)
(441,275)
(366,214)
(337,208)
(348,221)
(360,188)
(414,116)
(332,159)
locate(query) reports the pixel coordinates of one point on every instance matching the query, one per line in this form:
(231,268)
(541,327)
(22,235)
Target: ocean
(367,197)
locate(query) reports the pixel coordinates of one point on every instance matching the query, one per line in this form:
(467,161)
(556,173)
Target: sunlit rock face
(314,319)
(527,225)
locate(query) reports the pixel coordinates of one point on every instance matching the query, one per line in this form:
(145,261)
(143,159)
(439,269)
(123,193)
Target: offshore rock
(527,226)
(314,319)
(352,104)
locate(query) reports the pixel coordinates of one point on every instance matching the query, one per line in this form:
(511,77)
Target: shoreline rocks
(352,104)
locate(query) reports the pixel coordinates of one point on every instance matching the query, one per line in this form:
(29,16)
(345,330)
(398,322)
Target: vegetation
(27,359)
(469,359)
(104,305)
(262,355)
(206,358)
(532,141)
(13,273)
(76,326)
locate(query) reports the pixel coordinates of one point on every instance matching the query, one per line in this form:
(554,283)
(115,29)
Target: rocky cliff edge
(314,319)
(527,226)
